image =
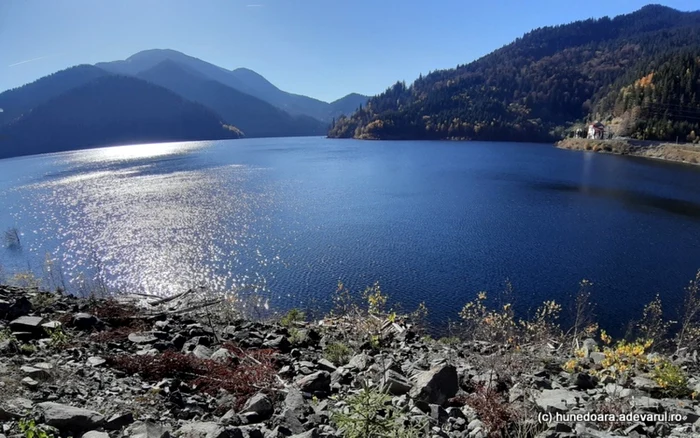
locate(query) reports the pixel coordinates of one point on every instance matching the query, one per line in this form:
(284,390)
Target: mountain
(530,90)
(110,110)
(241,79)
(19,100)
(348,104)
(292,103)
(255,117)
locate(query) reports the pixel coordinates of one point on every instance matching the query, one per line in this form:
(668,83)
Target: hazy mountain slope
(260,87)
(148,59)
(19,100)
(242,79)
(348,104)
(255,117)
(529,90)
(106,111)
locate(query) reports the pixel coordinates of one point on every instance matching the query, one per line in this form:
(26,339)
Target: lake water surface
(289,218)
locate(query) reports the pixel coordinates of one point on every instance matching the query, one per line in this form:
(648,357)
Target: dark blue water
(289,218)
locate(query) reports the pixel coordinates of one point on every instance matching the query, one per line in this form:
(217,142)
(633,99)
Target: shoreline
(190,367)
(675,153)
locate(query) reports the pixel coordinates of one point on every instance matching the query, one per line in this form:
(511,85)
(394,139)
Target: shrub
(370,414)
(491,408)
(626,356)
(652,325)
(689,332)
(292,317)
(57,337)
(30,429)
(671,378)
(338,353)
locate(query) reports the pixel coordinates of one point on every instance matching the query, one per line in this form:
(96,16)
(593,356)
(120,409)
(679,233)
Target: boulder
(28,324)
(320,381)
(436,385)
(395,383)
(95,434)
(260,406)
(142,338)
(558,400)
(68,418)
(205,429)
(86,322)
(202,352)
(148,429)
(117,421)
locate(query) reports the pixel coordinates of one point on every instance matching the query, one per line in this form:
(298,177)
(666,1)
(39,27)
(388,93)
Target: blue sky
(320,48)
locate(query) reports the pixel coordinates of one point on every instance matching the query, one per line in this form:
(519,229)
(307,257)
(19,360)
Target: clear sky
(319,48)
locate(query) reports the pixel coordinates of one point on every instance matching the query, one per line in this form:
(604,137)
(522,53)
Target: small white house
(596,131)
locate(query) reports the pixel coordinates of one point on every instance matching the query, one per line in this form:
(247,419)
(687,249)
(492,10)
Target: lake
(288,218)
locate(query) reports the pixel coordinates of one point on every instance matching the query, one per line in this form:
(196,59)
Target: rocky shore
(683,153)
(187,367)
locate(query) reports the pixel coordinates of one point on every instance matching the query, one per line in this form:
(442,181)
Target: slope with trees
(530,90)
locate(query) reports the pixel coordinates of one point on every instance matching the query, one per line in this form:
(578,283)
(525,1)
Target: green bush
(338,353)
(370,414)
(292,317)
(671,378)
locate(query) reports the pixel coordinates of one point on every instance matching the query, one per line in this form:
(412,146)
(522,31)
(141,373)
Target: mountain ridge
(241,79)
(255,117)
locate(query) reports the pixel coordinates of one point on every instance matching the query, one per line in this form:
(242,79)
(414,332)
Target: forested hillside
(533,89)
(658,101)
(107,111)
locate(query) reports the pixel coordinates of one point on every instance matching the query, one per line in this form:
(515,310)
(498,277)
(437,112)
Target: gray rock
(15,308)
(319,381)
(86,321)
(326,365)
(35,372)
(313,433)
(645,384)
(395,383)
(30,383)
(96,361)
(202,352)
(28,324)
(148,429)
(280,343)
(584,381)
(95,434)
(69,418)
(203,430)
(142,338)
(117,421)
(558,400)
(436,385)
(222,355)
(358,362)
(260,405)
(597,357)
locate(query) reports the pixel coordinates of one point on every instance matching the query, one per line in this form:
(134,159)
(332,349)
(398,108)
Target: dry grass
(253,371)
